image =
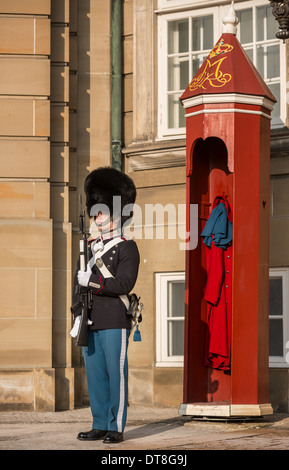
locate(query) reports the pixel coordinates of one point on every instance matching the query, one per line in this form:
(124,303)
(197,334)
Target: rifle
(85,294)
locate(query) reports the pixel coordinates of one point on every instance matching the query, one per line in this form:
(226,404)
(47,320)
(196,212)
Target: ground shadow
(154,427)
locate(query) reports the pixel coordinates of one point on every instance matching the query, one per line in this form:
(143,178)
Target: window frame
(199,9)
(280,121)
(282,361)
(169,5)
(164,132)
(162,282)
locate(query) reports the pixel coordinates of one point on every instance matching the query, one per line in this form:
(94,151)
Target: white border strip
(33,118)
(122,381)
(34,36)
(228,110)
(228,98)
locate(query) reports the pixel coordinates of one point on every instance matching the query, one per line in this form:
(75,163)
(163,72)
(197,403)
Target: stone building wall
(26,234)
(54,128)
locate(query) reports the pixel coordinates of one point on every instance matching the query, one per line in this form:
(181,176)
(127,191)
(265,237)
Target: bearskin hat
(103,184)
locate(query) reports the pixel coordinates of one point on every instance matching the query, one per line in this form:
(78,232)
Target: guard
(110,275)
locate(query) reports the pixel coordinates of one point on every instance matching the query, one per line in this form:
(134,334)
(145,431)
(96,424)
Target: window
(278,317)
(256,32)
(170,312)
(187,37)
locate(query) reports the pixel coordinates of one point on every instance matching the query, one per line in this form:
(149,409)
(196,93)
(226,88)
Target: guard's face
(100,214)
(102,219)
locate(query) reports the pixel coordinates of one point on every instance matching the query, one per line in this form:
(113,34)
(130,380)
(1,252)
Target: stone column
(26,373)
(63,60)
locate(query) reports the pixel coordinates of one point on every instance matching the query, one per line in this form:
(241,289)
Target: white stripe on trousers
(122,380)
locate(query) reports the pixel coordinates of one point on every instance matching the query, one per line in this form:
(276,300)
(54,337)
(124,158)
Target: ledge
(155,155)
(225,410)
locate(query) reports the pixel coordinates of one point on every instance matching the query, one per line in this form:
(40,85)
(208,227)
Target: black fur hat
(102,184)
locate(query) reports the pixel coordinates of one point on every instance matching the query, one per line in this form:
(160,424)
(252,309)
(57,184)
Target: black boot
(92,435)
(112,437)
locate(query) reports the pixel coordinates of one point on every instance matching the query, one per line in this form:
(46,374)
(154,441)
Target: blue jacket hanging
(219,226)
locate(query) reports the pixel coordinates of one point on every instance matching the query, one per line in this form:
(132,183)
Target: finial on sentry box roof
(230,21)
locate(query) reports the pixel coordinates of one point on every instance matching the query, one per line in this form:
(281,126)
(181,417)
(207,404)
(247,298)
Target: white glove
(75,328)
(83,276)
(74,331)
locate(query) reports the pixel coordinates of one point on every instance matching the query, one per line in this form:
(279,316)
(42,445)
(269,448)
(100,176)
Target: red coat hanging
(218,294)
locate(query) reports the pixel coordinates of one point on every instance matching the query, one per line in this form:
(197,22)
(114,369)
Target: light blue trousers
(107,378)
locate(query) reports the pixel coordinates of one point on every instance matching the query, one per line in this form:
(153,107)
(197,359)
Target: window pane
(273,62)
(176,303)
(202,33)
(208,33)
(176,299)
(275,296)
(196,64)
(176,338)
(249,53)
(178,73)
(260,23)
(246,25)
(275,88)
(267,26)
(196,34)
(178,36)
(176,112)
(275,337)
(260,60)
(272,24)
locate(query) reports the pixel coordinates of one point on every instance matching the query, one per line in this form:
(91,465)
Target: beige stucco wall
(26,372)
(279,227)
(148,383)
(279,257)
